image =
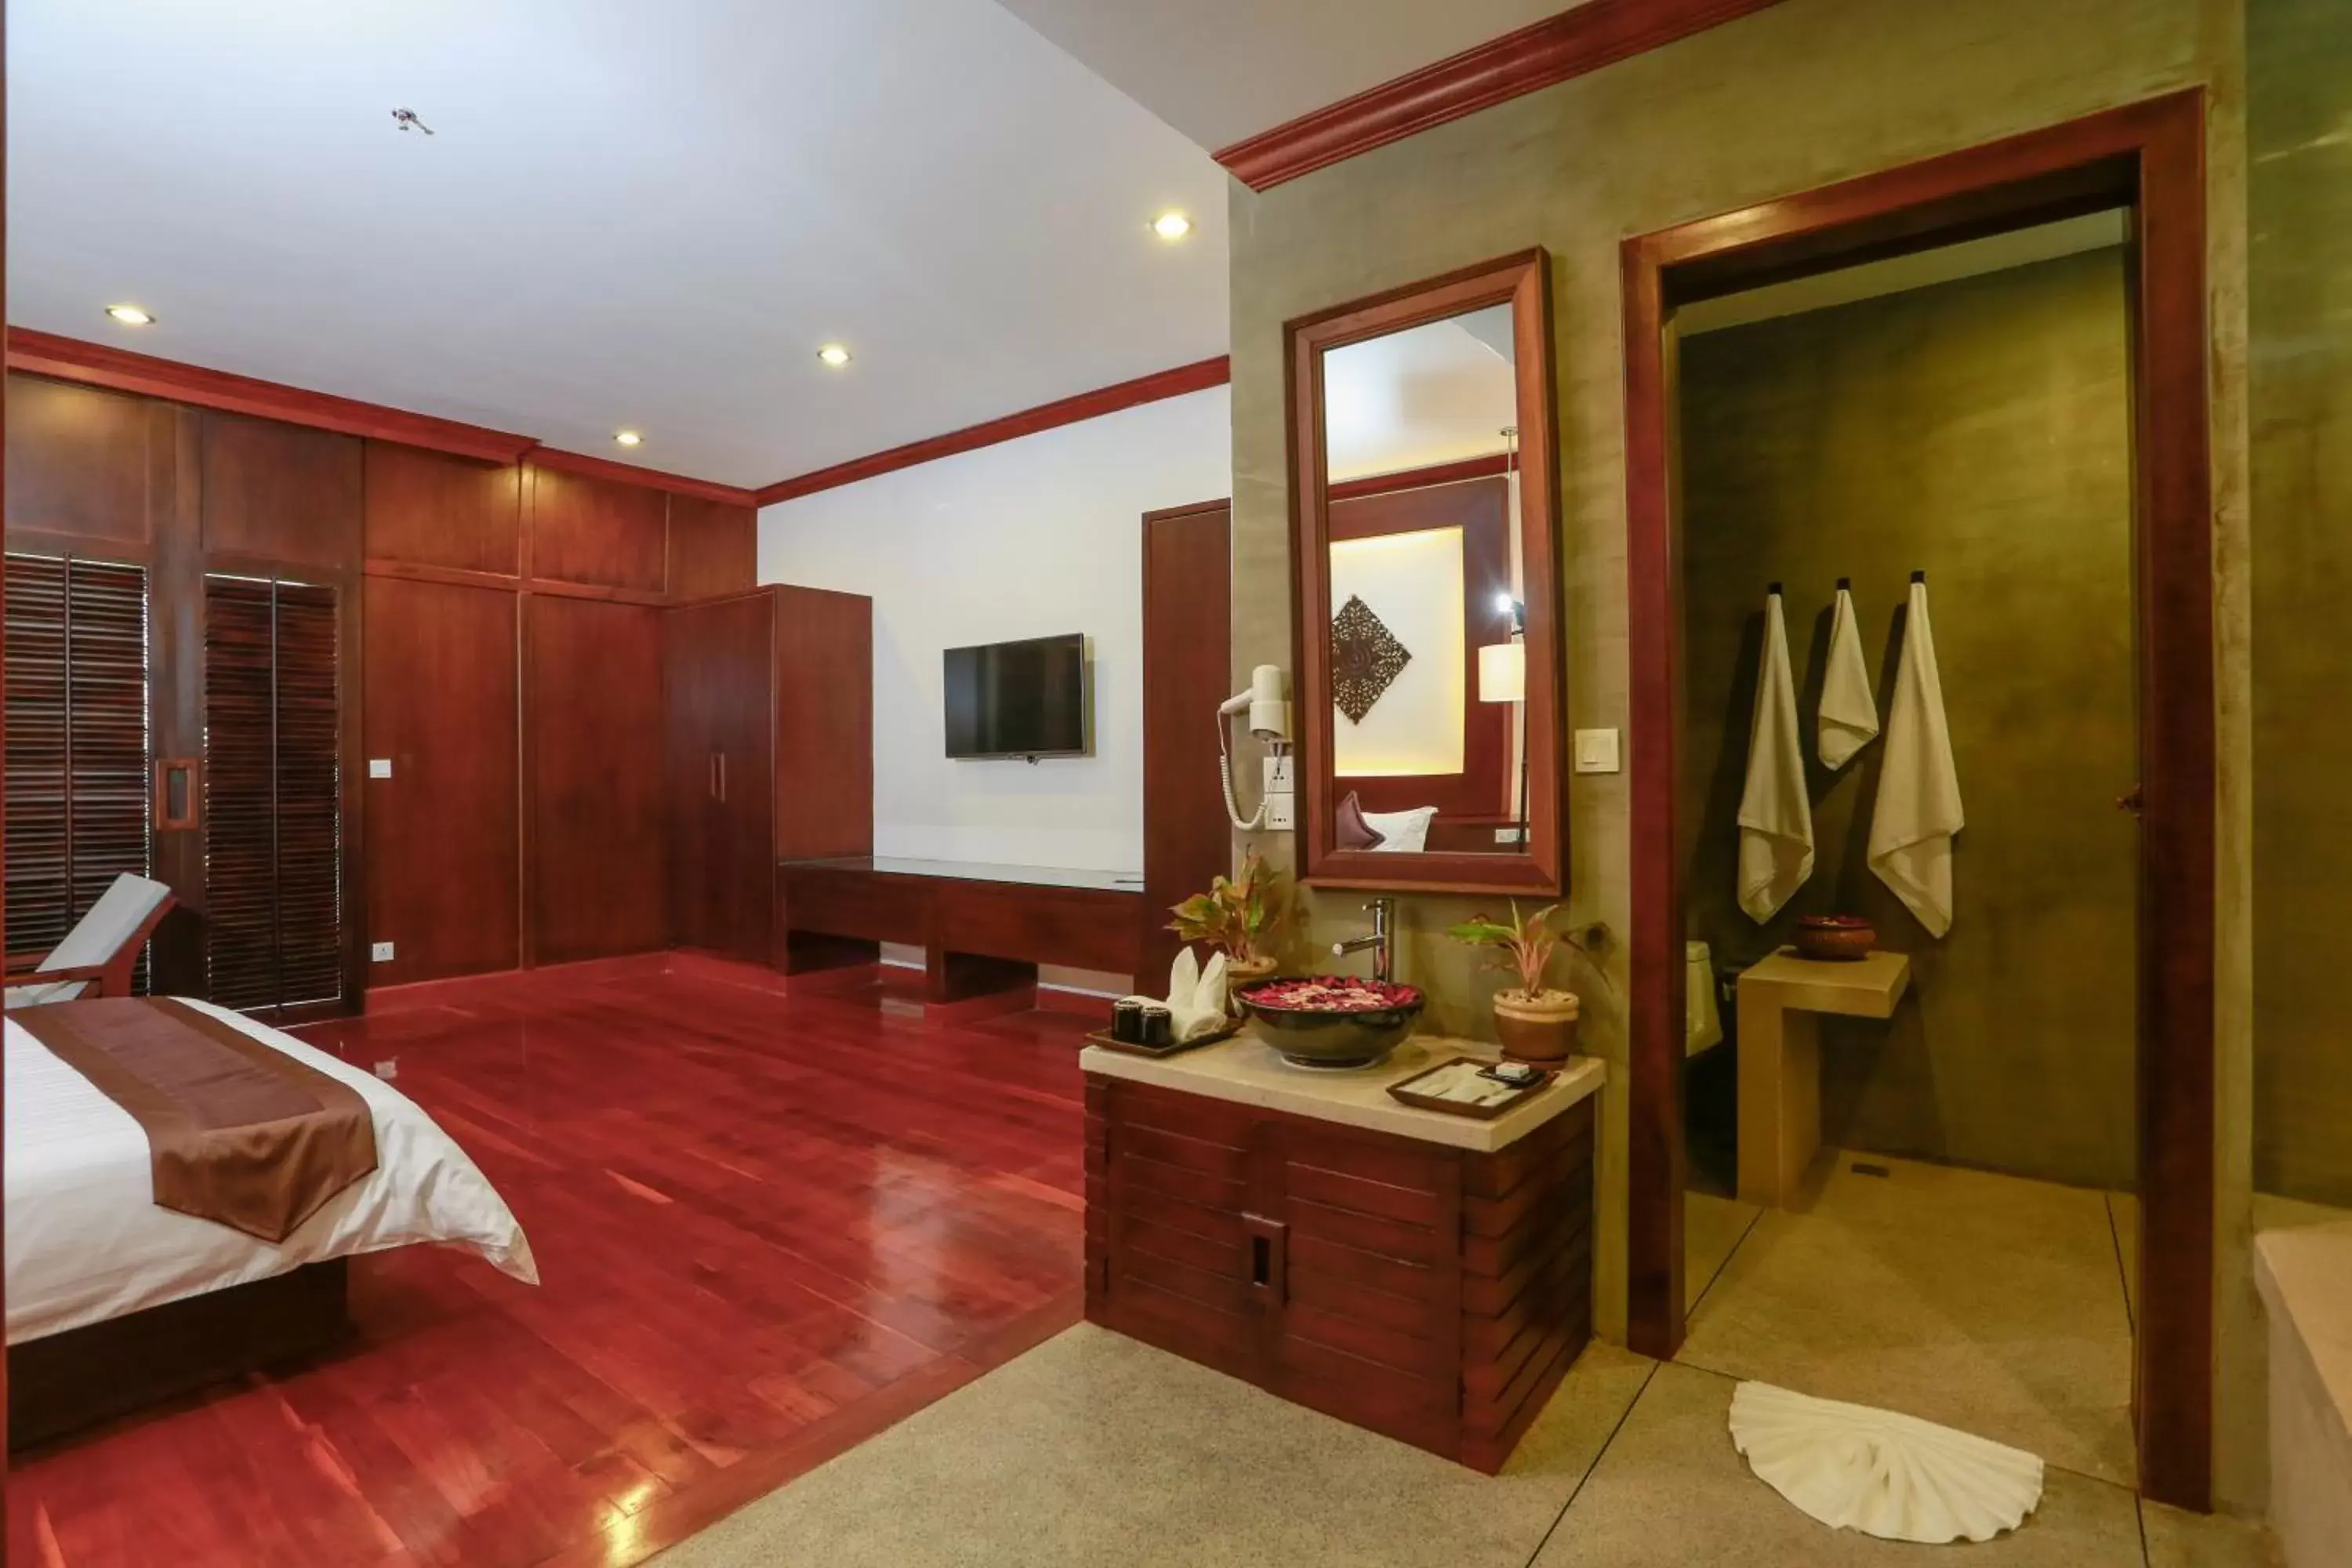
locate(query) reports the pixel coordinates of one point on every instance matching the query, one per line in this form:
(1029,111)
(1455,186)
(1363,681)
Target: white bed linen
(86,1242)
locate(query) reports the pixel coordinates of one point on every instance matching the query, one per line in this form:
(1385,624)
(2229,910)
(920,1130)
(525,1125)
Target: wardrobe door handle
(722,778)
(1269,1258)
(176,796)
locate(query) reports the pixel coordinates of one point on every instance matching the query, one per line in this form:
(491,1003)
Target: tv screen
(1030,698)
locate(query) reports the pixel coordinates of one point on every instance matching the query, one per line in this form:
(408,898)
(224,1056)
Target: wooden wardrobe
(770,703)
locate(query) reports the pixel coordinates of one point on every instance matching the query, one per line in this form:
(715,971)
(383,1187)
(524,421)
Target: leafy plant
(1525,945)
(1241,915)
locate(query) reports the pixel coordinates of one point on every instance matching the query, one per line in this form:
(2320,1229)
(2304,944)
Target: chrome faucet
(1383,961)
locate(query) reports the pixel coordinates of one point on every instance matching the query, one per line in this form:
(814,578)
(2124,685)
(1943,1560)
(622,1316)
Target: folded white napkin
(1849,710)
(1196,997)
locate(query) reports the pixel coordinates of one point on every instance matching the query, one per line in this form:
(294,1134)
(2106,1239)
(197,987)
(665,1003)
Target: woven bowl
(1835,938)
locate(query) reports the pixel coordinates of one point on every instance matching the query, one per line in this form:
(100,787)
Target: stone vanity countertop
(1247,1071)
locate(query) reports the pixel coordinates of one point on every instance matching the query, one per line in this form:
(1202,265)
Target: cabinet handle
(1269,1259)
(722,778)
(176,796)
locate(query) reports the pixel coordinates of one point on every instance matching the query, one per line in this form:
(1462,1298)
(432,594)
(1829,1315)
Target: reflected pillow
(1401,832)
(1355,833)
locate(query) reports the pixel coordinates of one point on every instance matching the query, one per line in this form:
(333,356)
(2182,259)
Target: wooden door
(1187,654)
(690,777)
(742,676)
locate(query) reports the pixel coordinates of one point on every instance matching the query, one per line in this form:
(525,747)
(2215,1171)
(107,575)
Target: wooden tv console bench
(983,929)
(1427,1276)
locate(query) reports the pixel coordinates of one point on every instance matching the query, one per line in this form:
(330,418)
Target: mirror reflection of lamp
(1503,666)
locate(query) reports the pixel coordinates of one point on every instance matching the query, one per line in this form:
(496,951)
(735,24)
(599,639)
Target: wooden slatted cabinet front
(1432,1294)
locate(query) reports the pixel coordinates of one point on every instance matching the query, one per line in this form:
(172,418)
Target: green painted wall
(2299,130)
(1979,430)
(1803,94)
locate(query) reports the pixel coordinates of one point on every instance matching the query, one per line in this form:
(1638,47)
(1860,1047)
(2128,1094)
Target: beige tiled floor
(1994,1304)
(1986,1302)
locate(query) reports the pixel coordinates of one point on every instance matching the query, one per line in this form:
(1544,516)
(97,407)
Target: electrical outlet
(1277,814)
(379,767)
(380,952)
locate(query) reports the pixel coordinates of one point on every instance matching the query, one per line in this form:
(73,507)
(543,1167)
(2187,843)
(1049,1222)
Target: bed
(112,1300)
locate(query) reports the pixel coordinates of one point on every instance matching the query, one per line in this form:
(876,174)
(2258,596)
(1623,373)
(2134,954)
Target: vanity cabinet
(1432,1293)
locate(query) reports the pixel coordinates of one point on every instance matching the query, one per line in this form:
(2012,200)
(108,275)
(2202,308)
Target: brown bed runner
(238,1131)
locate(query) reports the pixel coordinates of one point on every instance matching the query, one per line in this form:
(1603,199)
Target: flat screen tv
(1030,699)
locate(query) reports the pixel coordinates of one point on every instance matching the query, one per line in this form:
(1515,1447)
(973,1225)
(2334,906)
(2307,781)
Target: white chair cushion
(111,921)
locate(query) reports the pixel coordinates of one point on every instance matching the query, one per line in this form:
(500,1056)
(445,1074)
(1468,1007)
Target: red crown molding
(95,364)
(629,473)
(1092,404)
(1596,34)
(1493,465)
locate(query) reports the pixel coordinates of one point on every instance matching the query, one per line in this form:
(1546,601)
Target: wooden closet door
(691,769)
(743,675)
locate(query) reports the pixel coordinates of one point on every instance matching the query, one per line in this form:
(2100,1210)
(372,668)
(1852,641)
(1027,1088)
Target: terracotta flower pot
(1539,1030)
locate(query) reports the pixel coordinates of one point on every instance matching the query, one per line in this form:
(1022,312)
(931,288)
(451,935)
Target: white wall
(1024,539)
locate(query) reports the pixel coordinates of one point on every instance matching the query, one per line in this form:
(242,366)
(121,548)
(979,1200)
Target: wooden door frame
(2148,157)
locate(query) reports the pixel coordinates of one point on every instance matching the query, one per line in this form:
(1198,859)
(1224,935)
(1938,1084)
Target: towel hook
(1844,584)
(1918,576)
(1772,588)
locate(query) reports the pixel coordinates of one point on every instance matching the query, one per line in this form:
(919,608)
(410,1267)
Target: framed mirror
(1425,568)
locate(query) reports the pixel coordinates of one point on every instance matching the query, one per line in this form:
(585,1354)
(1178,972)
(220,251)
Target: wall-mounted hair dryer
(1269,721)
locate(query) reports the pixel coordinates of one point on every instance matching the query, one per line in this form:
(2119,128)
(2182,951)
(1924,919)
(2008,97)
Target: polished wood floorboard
(766,1227)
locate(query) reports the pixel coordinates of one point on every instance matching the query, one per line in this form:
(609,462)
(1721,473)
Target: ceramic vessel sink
(1331,1020)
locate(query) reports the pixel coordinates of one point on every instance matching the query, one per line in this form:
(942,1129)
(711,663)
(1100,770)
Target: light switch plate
(380,952)
(1278,776)
(1596,751)
(388,1070)
(379,767)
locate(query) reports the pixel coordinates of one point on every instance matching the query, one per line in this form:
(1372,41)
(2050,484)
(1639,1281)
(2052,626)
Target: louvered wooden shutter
(77,740)
(273,795)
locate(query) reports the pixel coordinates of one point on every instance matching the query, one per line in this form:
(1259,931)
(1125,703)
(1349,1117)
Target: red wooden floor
(765,1228)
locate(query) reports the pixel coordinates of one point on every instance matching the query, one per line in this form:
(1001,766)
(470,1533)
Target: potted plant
(1537,1022)
(1241,917)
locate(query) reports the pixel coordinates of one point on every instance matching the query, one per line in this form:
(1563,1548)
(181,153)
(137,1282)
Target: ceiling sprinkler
(406,120)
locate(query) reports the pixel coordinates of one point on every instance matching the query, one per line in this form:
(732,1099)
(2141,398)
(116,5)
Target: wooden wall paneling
(598,837)
(281,494)
(429,509)
(77,467)
(2149,156)
(439,669)
(1187,654)
(824,725)
(714,548)
(175,688)
(595,530)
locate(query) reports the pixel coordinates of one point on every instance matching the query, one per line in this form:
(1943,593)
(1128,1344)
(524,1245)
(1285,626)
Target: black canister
(1159,1025)
(1127,1021)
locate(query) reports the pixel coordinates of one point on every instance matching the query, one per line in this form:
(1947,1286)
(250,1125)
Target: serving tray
(1487,1111)
(1110,1042)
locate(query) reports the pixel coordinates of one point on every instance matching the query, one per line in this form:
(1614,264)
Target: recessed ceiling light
(1172,225)
(834,354)
(627,437)
(131,315)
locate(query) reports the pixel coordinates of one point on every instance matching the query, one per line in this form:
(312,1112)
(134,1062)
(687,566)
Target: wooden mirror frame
(1524,282)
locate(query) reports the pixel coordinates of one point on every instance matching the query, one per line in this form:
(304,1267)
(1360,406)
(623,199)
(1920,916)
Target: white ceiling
(1432,393)
(1221,71)
(647,217)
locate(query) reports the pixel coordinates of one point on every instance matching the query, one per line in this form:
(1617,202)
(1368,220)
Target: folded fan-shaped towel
(1895,1476)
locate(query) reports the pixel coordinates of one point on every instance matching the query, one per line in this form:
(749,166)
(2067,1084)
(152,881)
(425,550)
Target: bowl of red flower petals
(1331,1020)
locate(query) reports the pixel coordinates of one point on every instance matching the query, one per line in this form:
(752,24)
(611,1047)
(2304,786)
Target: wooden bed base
(88,1374)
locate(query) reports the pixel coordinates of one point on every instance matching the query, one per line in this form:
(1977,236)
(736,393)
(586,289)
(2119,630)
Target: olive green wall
(1799,95)
(2299,125)
(1979,430)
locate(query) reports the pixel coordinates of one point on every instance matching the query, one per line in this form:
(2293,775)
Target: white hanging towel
(1776,820)
(1848,711)
(1918,789)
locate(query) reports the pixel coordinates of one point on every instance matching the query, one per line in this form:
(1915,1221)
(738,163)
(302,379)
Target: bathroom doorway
(2140,169)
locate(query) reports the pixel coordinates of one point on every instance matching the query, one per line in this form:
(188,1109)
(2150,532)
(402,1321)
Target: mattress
(86,1242)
